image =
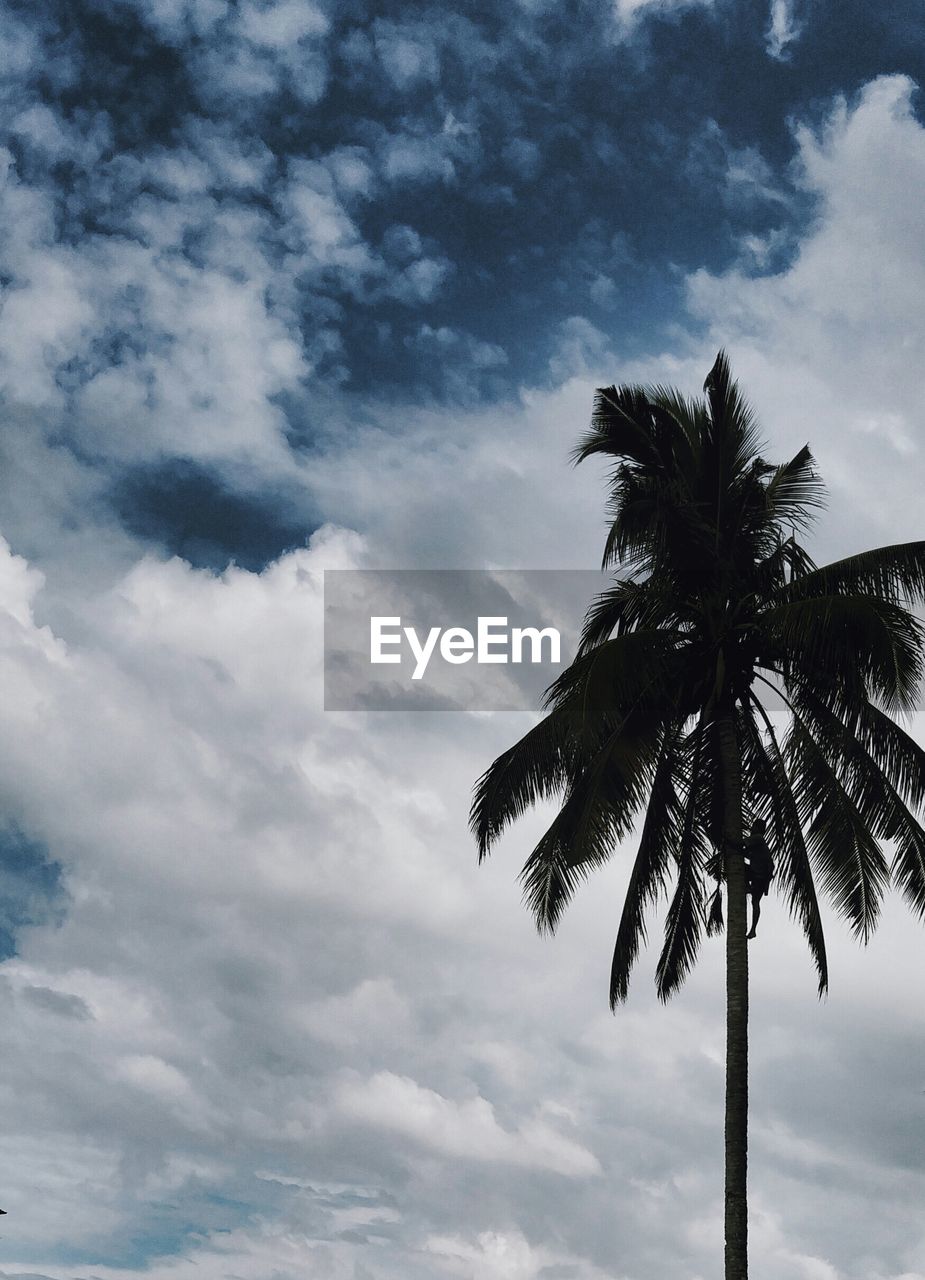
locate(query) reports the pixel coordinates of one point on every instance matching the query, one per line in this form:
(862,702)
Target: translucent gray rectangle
(450,639)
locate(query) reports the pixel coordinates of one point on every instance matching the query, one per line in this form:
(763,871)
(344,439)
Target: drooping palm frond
(871,791)
(896,753)
(536,768)
(715,922)
(902,762)
(863,779)
(908,868)
(709,785)
(660,838)
(853,870)
(856,643)
(794,872)
(684,921)
(598,811)
(595,693)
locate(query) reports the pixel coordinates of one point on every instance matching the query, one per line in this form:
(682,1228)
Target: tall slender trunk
(736,1006)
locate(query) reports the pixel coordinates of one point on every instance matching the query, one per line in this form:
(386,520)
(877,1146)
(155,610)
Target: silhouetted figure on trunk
(759,869)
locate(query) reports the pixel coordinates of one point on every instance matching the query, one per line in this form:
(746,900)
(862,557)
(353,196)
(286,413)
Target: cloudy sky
(289,286)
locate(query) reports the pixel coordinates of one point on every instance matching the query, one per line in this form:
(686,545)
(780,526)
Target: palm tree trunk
(736,1222)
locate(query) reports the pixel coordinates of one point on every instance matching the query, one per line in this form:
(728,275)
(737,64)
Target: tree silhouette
(664,712)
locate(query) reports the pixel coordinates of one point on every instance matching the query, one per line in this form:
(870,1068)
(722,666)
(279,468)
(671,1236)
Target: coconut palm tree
(670,710)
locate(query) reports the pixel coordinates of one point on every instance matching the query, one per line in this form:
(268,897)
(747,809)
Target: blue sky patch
(31,891)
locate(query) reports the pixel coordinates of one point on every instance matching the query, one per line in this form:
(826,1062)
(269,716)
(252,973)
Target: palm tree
(664,711)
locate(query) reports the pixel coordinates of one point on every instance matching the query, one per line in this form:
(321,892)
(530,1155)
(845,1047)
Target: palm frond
(684,920)
(628,605)
(709,784)
(734,434)
(795,491)
(908,868)
(598,811)
(770,571)
(853,870)
(536,768)
(660,836)
(615,609)
(793,869)
(856,643)
(621,426)
(715,922)
(896,753)
(895,573)
(689,413)
(872,792)
(614,674)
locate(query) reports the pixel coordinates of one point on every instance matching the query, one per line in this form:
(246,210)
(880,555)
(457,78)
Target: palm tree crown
(718,606)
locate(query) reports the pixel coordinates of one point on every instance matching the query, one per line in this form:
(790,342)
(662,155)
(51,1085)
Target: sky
(288,287)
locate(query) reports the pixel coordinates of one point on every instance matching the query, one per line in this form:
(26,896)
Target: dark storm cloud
(193,514)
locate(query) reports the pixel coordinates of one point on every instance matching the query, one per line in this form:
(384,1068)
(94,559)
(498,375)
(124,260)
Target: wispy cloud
(783,29)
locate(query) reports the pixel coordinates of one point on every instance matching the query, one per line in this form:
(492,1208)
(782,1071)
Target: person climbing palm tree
(663,712)
(759,870)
